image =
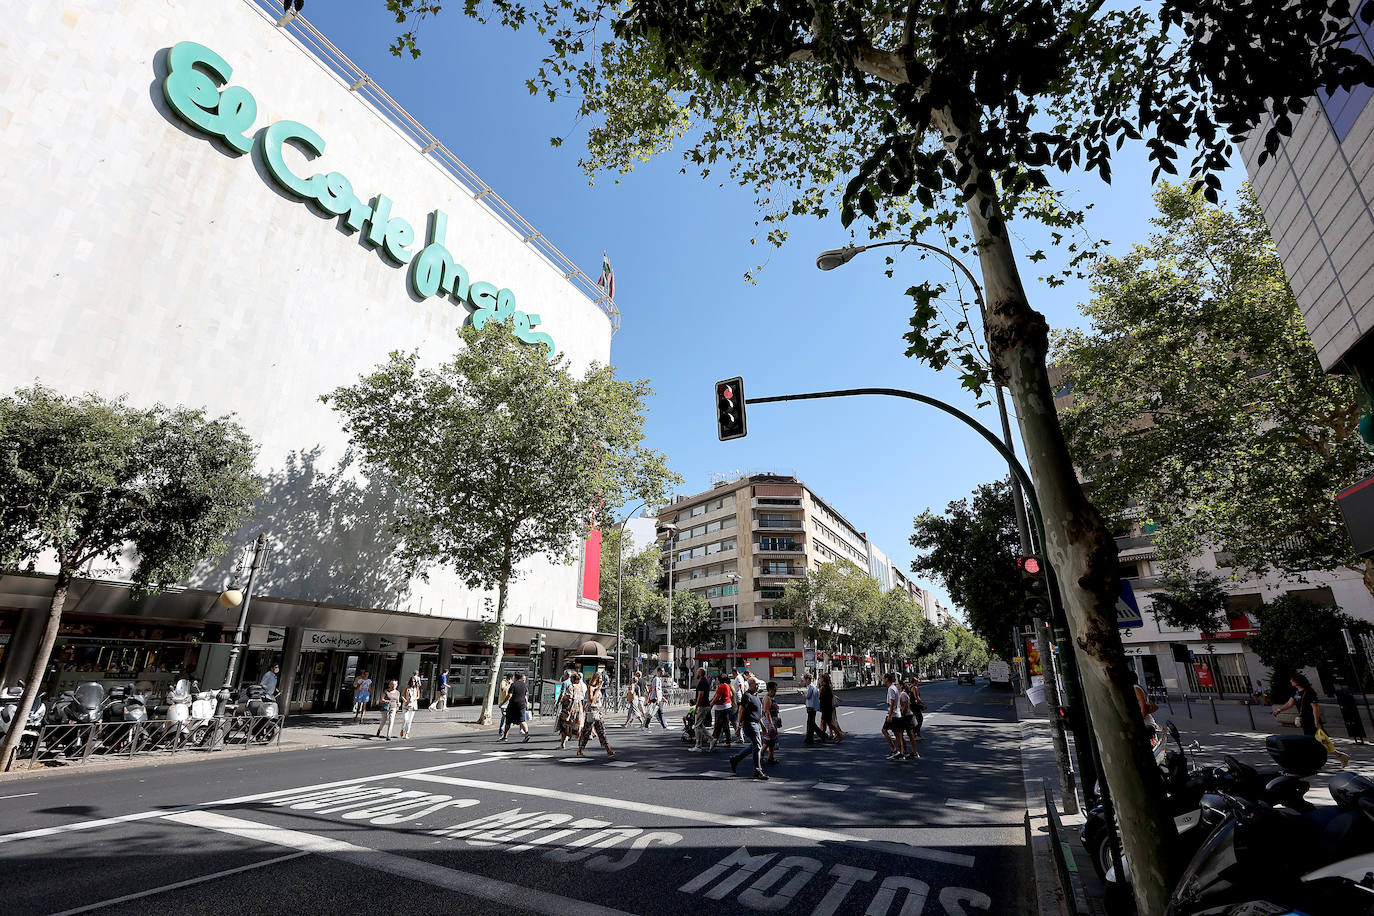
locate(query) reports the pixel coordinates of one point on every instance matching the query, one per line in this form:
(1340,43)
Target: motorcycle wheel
(267,733)
(1100,852)
(27,744)
(198,735)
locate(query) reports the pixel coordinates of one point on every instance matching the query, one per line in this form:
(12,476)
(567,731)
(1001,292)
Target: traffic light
(730,422)
(1034,589)
(534,646)
(540,637)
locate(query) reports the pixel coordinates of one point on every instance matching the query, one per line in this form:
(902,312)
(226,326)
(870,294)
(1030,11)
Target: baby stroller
(689,735)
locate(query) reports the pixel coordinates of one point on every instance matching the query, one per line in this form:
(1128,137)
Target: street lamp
(619,587)
(233,597)
(669,530)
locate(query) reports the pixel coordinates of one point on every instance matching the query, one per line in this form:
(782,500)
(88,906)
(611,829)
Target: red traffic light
(1029,565)
(727,392)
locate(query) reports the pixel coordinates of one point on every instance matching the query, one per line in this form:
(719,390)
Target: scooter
(1187,787)
(72,717)
(9,707)
(1265,860)
(127,706)
(202,715)
(171,723)
(255,715)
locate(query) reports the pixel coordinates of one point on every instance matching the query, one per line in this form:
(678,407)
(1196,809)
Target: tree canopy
(1294,633)
(639,597)
(828,601)
(1198,403)
(1192,600)
(86,478)
(971,550)
(501,455)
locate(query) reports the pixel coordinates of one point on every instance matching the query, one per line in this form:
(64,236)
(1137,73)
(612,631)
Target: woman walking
(633,703)
(829,724)
(362,693)
(1310,715)
(570,711)
(410,702)
(391,704)
(722,707)
(594,705)
(772,722)
(517,707)
(918,706)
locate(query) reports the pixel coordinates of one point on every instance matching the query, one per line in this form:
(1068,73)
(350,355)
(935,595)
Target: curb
(1039,774)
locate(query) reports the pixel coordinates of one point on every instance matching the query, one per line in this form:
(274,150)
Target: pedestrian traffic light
(1034,589)
(534,645)
(540,637)
(730,423)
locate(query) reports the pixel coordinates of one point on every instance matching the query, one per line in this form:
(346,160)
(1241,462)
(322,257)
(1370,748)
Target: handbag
(1325,740)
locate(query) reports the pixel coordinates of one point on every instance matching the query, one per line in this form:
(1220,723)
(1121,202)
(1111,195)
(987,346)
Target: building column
(23,645)
(290,661)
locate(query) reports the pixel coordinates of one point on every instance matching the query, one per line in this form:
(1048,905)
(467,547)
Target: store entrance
(325,679)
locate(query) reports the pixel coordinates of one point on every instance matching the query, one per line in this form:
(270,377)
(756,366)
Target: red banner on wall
(1204,674)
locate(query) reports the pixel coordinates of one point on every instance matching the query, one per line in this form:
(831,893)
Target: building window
(1343,106)
(782,639)
(771,592)
(1129,570)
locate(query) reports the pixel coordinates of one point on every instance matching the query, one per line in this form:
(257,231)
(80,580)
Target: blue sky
(680,248)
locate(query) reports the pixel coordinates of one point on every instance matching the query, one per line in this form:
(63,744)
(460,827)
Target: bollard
(1250,710)
(1189,700)
(1215,720)
(1169,700)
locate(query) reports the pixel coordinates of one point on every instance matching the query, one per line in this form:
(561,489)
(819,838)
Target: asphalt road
(467,823)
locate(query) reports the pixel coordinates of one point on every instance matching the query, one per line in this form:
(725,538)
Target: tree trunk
(1084,556)
(38,668)
(494,676)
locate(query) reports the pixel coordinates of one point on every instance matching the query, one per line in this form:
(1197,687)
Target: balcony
(780,524)
(756,503)
(796,549)
(779,572)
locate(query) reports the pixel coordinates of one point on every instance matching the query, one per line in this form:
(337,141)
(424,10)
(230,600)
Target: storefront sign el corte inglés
(326,639)
(197,89)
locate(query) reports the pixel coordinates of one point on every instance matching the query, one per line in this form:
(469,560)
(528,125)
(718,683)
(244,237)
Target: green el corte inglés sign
(197,89)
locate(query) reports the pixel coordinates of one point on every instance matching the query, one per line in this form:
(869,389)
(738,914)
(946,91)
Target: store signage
(197,88)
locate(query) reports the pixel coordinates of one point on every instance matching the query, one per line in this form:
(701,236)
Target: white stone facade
(146,259)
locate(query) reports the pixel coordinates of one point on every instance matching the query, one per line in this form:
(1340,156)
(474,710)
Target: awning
(775,653)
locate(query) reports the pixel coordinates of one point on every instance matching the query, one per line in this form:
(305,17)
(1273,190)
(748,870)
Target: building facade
(246,254)
(740,543)
(1317,193)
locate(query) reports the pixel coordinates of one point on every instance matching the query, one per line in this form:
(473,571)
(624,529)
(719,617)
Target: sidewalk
(305,731)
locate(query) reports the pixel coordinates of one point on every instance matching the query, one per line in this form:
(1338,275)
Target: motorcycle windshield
(89,695)
(1206,874)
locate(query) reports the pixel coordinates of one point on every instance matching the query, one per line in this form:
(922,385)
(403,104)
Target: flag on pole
(607,280)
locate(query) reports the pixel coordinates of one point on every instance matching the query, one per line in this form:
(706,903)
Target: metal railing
(79,742)
(431,147)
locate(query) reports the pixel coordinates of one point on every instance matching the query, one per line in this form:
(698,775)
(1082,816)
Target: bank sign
(197,87)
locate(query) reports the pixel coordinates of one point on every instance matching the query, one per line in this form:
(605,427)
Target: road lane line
(961,803)
(20,795)
(401,866)
(241,800)
(180,884)
(831,786)
(1016,834)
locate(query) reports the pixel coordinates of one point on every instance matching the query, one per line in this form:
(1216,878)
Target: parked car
(965,677)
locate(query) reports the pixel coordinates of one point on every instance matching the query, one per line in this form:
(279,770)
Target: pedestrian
(1258,694)
(812,699)
(1147,710)
(269,680)
(701,708)
(772,722)
(891,721)
(751,718)
(441,693)
(722,705)
(654,701)
(918,706)
(829,705)
(570,710)
(1309,715)
(502,695)
(593,706)
(906,728)
(738,687)
(410,703)
(362,693)
(517,707)
(391,704)
(633,702)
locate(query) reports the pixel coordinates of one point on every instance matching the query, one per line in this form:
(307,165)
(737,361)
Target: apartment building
(739,543)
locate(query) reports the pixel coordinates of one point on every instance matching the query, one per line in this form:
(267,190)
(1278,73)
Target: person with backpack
(722,706)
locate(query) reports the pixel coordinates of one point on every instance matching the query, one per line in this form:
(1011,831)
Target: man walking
(892,726)
(269,680)
(701,708)
(750,717)
(441,693)
(655,701)
(813,708)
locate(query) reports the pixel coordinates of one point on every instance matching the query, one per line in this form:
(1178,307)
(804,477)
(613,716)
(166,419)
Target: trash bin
(1350,714)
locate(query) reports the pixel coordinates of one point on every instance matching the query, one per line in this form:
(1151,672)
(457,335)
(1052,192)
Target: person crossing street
(751,720)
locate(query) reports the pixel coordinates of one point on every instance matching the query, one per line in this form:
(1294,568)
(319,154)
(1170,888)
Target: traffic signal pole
(1037,517)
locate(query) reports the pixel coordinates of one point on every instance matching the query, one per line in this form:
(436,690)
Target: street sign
(1127,611)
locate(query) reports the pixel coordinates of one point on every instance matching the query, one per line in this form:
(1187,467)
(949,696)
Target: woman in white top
(410,702)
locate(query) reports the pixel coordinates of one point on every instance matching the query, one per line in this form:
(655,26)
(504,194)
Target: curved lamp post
(619,589)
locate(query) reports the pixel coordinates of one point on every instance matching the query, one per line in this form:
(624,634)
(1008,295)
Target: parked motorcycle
(9,708)
(202,714)
(1187,786)
(125,713)
(1266,860)
(170,724)
(72,716)
(255,715)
